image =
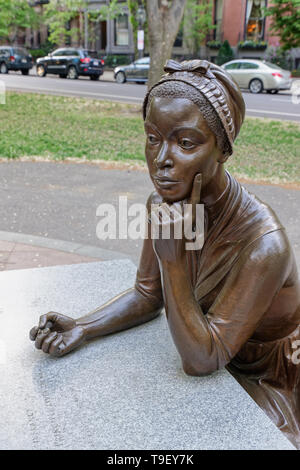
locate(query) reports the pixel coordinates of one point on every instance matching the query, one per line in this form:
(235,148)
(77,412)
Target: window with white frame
(121,31)
(255,20)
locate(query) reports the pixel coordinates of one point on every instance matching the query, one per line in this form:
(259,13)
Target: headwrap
(215,85)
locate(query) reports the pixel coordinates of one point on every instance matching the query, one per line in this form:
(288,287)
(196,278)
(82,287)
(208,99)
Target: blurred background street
(278,106)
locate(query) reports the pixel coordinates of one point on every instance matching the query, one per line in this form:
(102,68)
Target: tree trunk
(164,17)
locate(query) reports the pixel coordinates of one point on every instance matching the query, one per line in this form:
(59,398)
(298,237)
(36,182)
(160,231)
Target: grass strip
(59,127)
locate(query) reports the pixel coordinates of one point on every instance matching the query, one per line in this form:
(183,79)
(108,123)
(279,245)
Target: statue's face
(179,145)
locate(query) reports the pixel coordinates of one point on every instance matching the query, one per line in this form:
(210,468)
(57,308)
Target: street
(278,106)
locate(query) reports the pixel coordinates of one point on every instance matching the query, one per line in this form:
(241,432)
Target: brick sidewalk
(20,256)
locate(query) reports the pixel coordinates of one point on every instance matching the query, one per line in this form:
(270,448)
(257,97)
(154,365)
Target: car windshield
(92,54)
(272,66)
(20,51)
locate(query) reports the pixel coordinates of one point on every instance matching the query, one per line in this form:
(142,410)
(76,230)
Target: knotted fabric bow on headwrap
(216,85)
(200,66)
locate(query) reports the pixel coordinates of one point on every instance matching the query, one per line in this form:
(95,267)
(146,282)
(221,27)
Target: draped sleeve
(255,279)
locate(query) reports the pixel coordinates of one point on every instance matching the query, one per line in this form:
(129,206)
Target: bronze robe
(245,281)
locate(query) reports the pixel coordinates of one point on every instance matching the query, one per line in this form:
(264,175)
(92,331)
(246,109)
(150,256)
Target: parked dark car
(135,72)
(15,58)
(69,62)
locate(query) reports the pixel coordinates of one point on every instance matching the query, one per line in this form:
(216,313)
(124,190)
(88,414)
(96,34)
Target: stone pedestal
(124,391)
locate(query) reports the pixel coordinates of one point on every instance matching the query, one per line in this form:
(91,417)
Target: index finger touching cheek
(196,190)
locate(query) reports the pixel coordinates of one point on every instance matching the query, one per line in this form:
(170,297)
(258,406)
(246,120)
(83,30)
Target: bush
(42,51)
(214,44)
(36,53)
(253,45)
(225,53)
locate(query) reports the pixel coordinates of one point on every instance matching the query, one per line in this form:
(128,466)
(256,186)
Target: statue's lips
(164,182)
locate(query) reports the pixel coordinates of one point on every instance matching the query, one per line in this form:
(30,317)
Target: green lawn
(58,128)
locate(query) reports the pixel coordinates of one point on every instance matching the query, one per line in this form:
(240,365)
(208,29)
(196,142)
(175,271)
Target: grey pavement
(53,205)
(123,391)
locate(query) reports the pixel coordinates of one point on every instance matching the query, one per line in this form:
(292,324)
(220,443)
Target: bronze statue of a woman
(235,302)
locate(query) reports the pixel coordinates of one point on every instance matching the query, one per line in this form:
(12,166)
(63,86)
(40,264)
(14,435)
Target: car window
(233,66)
(57,53)
(272,66)
(92,54)
(20,51)
(143,61)
(72,52)
(4,52)
(248,65)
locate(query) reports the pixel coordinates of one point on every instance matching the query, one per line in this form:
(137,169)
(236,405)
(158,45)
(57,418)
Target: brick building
(248,31)
(241,21)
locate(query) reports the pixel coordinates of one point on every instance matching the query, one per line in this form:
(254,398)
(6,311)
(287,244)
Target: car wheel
(256,85)
(272,92)
(3,68)
(25,72)
(72,73)
(120,77)
(41,71)
(94,77)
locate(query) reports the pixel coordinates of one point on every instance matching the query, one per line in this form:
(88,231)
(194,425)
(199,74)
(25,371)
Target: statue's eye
(152,139)
(186,144)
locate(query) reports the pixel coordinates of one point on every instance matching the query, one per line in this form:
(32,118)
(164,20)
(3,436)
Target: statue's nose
(164,157)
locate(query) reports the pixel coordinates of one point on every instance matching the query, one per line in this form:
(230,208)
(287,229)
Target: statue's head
(192,117)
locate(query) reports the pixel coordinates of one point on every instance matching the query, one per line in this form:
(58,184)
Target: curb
(108,76)
(61,245)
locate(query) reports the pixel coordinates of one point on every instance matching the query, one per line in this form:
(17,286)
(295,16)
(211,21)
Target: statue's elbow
(198,369)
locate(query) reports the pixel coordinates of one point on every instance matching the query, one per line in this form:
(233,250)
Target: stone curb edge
(61,245)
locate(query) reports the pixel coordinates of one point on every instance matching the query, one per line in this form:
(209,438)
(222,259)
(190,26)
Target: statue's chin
(168,196)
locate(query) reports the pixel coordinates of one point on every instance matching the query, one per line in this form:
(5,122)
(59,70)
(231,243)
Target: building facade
(241,22)
(247,29)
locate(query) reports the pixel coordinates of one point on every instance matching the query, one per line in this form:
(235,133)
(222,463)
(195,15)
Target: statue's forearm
(186,320)
(124,311)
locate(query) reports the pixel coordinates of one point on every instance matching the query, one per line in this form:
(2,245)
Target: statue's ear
(222,158)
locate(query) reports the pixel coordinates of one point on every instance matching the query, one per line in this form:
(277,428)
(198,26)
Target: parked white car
(259,75)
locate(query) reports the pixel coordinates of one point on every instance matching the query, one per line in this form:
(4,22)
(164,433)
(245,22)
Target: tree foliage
(58,13)
(198,22)
(285,22)
(133,7)
(14,16)
(106,12)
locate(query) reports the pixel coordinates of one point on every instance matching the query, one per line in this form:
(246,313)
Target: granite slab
(124,391)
